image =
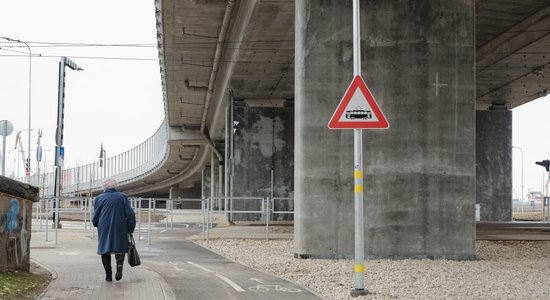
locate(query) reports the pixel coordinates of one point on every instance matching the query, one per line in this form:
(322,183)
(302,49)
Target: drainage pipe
(216,63)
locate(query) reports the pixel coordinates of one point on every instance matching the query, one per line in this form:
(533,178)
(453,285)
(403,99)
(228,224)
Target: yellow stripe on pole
(358,188)
(359,268)
(358,174)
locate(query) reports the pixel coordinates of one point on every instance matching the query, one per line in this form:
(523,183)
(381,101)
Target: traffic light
(545,163)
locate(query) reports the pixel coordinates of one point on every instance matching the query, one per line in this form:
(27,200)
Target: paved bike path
(173,267)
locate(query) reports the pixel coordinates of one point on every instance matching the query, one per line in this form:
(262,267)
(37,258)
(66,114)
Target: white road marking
(228,281)
(256,279)
(225,279)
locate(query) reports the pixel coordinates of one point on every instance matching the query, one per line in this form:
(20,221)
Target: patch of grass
(22,285)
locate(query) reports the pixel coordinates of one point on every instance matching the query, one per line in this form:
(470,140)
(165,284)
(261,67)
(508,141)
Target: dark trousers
(106,260)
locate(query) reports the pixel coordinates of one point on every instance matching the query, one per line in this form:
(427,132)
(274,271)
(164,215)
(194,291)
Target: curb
(51,271)
(167,291)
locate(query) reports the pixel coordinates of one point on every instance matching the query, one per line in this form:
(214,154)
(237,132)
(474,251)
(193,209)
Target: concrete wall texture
(15,224)
(419,175)
(494,164)
(15,232)
(263,141)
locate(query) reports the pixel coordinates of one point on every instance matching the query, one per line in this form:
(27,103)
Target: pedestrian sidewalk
(172,267)
(78,273)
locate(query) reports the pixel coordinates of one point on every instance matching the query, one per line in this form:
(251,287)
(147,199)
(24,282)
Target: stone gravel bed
(502,270)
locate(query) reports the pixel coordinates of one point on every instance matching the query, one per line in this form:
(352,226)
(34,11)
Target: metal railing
(45,209)
(265,207)
(126,167)
(151,208)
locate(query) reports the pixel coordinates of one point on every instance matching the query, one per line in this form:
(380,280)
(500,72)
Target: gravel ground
(503,270)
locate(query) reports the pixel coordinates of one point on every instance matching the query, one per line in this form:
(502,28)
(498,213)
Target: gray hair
(109,184)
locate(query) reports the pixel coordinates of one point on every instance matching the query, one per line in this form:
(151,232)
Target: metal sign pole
(359,288)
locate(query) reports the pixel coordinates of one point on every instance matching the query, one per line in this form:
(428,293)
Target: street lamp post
(521,150)
(28,161)
(59,150)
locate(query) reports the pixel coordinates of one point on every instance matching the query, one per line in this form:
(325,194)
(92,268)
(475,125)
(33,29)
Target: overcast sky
(118,100)
(530,123)
(115,100)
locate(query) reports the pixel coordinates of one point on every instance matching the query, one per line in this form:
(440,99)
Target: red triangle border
(358,83)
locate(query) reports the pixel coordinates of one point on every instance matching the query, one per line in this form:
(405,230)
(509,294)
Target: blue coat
(114,219)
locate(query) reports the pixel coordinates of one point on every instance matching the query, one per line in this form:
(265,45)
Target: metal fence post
(92,210)
(203,218)
(166,214)
(139,219)
(85,215)
(267,206)
(208,219)
(47,217)
(210,209)
(56,220)
(172,214)
(41,203)
(149,225)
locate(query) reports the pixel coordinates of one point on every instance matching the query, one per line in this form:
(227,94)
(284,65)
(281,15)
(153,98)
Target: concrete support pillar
(174,192)
(263,144)
(494,164)
(206,181)
(171,192)
(191,193)
(418,61)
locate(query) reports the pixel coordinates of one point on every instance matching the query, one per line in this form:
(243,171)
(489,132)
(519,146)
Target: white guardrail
(126,167)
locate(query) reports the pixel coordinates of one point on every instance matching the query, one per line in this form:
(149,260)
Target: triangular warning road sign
(358,109)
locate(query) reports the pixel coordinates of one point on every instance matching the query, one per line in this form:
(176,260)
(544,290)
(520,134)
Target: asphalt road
(197,273)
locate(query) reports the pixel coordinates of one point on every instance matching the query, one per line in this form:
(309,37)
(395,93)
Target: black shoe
(118,274)
(109,277)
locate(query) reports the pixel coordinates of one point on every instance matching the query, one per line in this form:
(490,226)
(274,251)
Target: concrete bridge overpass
(446,74)
(210,47)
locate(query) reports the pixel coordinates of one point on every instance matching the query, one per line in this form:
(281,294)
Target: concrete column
(494,164)
(192,192)
(174,192)
(171,192)
(418,61)
(263,144)
(207,180)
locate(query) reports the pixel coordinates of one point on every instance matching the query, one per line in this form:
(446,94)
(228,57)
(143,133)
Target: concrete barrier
(16,200)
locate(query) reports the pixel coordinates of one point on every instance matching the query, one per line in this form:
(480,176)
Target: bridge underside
(430,65)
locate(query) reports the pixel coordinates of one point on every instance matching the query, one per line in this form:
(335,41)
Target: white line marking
(200,267)
(225,279)
(228,281)
(258,280)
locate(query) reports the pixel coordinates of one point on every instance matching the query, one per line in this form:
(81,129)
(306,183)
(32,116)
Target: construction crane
(18,142)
